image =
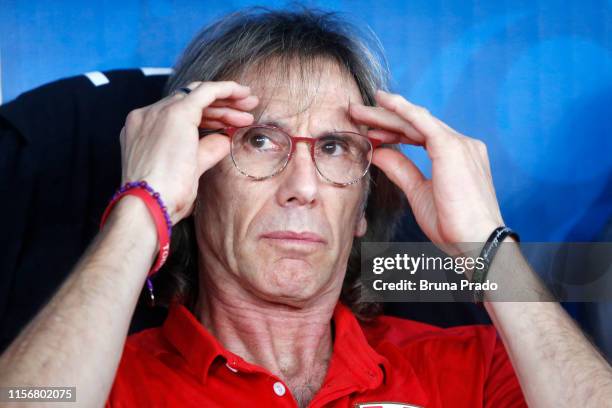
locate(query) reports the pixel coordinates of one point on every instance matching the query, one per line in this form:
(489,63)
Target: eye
(333,146)
(261,142)
(258,141)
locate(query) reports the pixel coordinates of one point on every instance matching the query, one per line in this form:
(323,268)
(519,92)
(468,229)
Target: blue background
(533,79)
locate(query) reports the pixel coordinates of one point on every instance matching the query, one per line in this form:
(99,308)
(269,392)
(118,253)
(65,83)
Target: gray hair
(251,39)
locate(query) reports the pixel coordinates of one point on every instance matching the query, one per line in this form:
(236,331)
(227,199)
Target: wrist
(488,253)
(481,232)
(156,210)
(132,215)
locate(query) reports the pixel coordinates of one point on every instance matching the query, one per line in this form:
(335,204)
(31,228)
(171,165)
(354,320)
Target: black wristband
(487,254)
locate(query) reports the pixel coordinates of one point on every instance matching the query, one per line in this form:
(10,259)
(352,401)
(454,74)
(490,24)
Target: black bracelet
(487,254)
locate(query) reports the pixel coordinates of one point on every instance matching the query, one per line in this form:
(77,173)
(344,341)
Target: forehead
(319,94)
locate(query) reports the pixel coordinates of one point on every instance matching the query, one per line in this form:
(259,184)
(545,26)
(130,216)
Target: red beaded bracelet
(160,215)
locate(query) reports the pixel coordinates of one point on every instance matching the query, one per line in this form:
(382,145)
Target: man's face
(243,225)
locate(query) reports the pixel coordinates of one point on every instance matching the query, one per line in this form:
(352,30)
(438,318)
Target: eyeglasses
(263,151)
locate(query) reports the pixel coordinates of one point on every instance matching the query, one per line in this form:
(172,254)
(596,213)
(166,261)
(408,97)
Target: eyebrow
(273,123)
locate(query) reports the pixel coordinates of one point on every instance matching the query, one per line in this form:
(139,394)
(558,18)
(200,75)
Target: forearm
(554,361)
(78,337)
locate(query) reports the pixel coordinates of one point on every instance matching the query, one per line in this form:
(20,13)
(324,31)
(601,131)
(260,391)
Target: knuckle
(216,86)
(134,118)
(412,109)
(396,99)
(423,111)
(228,83)
(176,95)
(459,145)
(480,145)
(194,84)
(208,86)
(407,129)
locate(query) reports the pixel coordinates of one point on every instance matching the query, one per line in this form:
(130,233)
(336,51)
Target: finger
(435,134)
(169,99)
(245,104)
(401,170)
(212,124)
(390,137)
(183,91)
(208,92)
(162,103)
(225,113)
(225,118)
(381,118)
(212,149)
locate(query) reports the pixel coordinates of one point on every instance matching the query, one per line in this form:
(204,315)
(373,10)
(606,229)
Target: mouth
(294,238)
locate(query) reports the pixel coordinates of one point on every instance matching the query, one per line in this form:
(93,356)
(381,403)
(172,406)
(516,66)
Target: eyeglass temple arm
(378,143)
(228,131)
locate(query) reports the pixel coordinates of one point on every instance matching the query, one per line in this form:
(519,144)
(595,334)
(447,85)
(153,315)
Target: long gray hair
(300,38)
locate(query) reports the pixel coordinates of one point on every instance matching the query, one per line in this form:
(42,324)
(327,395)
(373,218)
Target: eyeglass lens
(261,152)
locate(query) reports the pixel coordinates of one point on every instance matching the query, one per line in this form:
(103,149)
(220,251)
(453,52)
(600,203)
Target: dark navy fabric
(59,165)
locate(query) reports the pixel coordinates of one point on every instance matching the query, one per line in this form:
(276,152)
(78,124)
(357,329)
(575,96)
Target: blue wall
(531,78)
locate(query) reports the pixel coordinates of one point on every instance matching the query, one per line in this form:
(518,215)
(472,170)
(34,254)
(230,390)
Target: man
(276,212)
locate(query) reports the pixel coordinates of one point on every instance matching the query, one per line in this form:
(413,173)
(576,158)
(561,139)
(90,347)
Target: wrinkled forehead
(316,92)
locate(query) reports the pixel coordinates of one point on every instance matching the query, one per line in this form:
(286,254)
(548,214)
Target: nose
(299,184)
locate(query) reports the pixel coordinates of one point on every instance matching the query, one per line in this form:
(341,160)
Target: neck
(293,343)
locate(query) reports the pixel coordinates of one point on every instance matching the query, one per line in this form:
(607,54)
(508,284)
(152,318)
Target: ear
(361,227)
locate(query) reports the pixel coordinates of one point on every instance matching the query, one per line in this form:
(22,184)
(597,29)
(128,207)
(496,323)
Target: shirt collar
(353,354)
(351,351)
(197,345)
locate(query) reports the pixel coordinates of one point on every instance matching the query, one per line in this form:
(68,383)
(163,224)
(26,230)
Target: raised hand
(160,143)
(458,204)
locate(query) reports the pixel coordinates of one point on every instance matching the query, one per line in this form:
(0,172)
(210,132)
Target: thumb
(211,150)
(400,170)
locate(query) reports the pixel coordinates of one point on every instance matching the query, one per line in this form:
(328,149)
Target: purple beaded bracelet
(144,185)
(133,184)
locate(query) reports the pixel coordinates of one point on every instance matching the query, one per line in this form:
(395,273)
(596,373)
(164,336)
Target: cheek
(231,202)
(223,186)
(344,210)
(216,203)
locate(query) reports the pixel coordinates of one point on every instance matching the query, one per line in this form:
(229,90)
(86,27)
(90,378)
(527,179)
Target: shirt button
(279,388)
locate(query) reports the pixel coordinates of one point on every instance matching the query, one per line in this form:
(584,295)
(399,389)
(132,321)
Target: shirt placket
(274,389)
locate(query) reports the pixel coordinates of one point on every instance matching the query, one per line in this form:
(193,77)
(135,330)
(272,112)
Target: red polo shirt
(388,361)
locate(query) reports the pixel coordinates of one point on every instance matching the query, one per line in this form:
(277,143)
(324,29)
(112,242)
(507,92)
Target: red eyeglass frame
(231,130)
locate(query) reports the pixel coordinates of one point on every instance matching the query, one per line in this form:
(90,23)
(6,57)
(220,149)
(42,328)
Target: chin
(289,279)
